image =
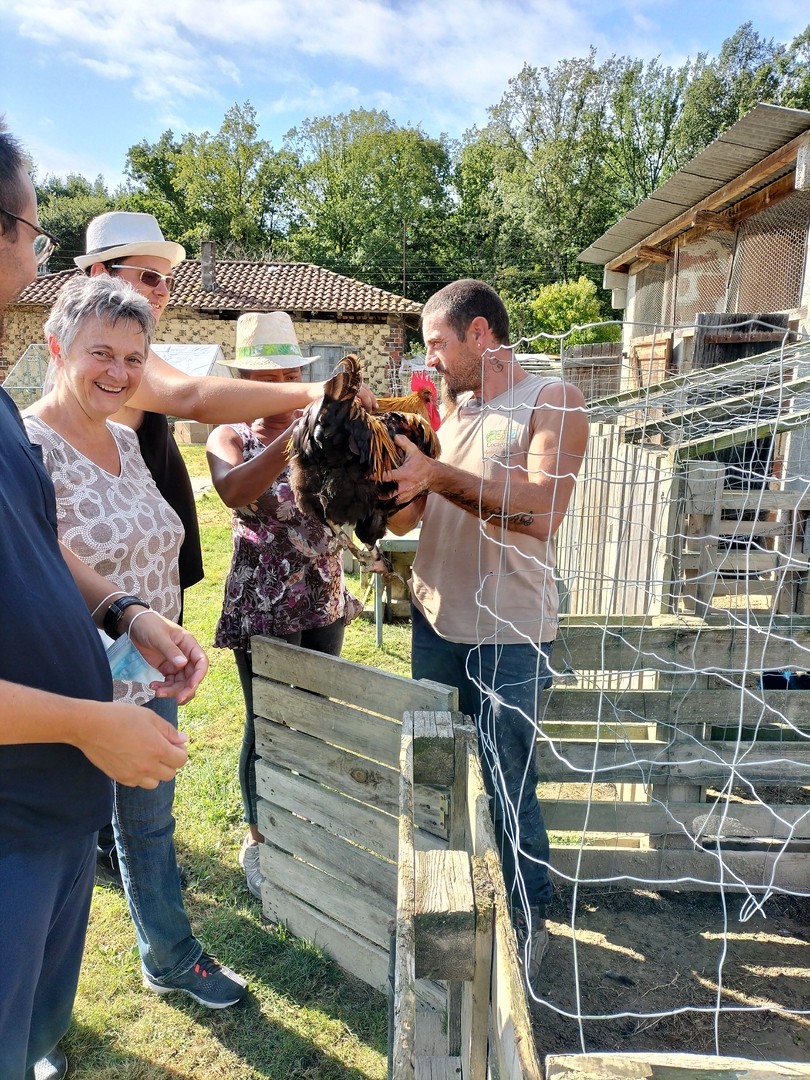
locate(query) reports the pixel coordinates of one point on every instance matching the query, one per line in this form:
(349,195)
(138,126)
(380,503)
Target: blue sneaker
(53,1066)
(207,982)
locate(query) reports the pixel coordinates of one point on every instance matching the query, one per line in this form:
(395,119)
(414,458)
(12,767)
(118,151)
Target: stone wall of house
(379,345)
(21,328)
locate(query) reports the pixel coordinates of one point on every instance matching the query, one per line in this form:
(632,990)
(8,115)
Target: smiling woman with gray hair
(112,516)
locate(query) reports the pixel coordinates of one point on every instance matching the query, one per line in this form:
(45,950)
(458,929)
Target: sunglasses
(44,243)
(150,278)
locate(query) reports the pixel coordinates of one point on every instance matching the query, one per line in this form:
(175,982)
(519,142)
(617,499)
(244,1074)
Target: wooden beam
(653,255)
(729,193)
(769,196)
(444,916)
(711,221)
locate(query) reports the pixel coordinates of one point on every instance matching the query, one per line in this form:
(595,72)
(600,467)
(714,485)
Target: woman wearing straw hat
(286,576)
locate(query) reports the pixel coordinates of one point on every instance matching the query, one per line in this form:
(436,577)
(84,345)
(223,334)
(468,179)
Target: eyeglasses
(44,243)
(150,278)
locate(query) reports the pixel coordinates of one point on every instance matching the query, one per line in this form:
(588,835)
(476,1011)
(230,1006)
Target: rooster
(338,451)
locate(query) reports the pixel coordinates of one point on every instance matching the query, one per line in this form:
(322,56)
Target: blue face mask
(127,664)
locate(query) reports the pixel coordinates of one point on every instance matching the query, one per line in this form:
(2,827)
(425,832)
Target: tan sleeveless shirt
(477,582)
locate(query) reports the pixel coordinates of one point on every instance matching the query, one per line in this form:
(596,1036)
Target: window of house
(328,355)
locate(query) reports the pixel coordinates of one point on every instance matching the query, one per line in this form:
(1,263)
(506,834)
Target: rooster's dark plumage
(339,451)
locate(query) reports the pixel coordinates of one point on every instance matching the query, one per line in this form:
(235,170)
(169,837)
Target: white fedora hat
(266,341)
(118,234)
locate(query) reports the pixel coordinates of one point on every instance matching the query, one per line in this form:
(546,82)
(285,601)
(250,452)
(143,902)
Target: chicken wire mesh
(770,256)
(659,547)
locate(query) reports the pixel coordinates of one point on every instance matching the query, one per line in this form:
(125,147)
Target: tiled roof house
(333,314)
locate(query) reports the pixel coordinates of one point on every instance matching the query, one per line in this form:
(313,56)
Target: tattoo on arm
(487,513)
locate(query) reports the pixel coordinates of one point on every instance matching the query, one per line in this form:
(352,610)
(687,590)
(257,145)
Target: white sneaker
(249,861)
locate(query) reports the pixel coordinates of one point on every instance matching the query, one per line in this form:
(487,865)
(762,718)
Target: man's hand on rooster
(413,477)
(366,397)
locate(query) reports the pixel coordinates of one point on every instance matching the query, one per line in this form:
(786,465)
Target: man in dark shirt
(61,737)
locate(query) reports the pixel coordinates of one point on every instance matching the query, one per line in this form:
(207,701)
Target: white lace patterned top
(120,525)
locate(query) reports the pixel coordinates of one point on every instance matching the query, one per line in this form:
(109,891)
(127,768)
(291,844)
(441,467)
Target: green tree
(552,134)
(66,206)
(153,170)
(368,198)
(558,307)
(646,108)
(748,69)
(226,187)
(794,73)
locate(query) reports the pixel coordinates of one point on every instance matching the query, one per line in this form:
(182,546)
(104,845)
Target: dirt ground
(643,953)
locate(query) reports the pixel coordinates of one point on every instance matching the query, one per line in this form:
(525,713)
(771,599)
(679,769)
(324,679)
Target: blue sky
(83,80)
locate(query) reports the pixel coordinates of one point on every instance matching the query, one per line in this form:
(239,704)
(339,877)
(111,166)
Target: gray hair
(110,300)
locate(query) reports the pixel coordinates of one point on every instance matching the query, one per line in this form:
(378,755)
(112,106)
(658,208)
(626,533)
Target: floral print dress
(286,573)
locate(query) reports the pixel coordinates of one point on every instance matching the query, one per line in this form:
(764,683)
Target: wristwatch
(116,610)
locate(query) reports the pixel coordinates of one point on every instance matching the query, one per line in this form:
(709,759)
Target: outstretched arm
(210,399)
(533,504)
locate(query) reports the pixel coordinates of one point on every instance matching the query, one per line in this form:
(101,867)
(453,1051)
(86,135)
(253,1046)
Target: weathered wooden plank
(433,748)
(679,647)
(625,711)
(660,869)
(650,1066)
(748,561)
(402,1054)
(365,780)
(356,684)
(514,1048)
(335,899)
(361,869)
(444,916)
(438,1068)
(475,994)
(573,761)
(329,720)
(728,821)
(351,950)
(360,823)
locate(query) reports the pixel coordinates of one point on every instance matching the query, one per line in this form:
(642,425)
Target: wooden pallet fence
(328,741)
(712,782)
(453,925)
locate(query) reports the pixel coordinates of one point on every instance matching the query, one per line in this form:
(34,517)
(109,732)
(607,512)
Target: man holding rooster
(484,596)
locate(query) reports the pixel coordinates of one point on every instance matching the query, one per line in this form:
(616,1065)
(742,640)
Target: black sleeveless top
(165,462)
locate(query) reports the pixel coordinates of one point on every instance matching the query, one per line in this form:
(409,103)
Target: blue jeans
(324,639)
(499,686)
(45,892)
(144,836)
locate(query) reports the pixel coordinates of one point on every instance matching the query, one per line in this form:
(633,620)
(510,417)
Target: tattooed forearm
(489,512)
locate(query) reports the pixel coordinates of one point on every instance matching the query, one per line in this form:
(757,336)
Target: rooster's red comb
(420,380)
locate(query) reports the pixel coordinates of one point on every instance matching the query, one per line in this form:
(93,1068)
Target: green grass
(305,1019)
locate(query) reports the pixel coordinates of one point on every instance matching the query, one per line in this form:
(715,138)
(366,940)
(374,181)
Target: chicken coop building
(724,240)
(333,314)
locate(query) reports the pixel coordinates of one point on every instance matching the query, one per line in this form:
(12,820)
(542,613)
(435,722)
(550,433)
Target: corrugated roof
(759,133)
(256,286)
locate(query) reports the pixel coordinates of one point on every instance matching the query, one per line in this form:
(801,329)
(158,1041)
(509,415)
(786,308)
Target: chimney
(208,252)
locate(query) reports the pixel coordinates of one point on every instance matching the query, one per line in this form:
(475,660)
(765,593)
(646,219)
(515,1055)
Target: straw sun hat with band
(266,341)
